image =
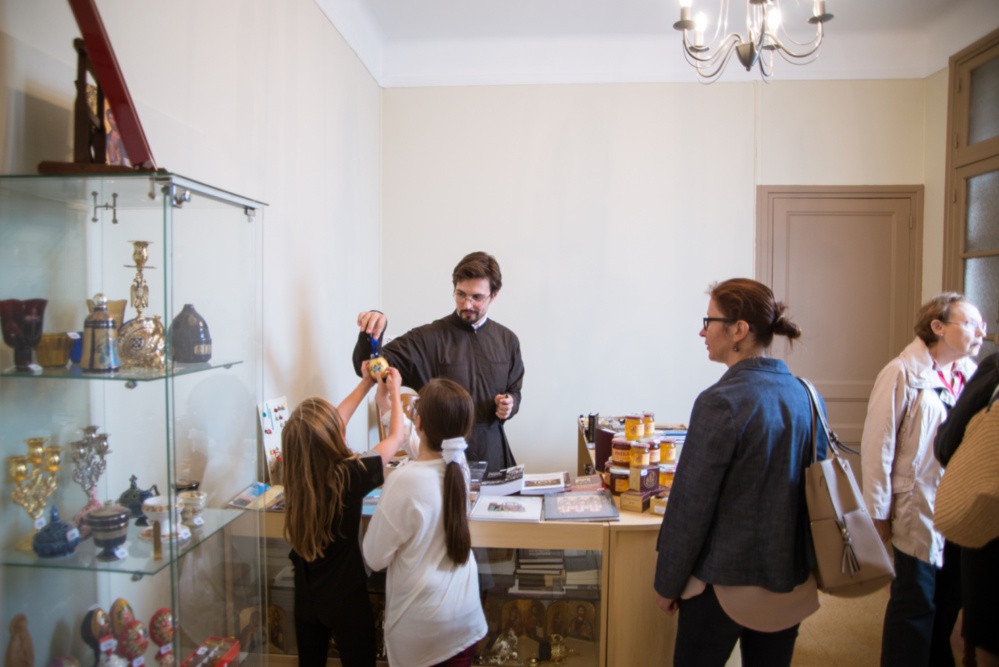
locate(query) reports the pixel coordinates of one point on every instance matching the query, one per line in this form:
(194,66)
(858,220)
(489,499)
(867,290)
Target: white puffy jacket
(900,472)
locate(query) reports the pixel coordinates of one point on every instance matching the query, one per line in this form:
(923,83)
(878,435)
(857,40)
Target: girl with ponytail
(420,534)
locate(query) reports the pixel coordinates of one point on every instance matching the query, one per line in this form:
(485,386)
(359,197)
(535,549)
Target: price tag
(138,662)
(166,649)
(73,534)
(73,335)
(198,521)
(39,523)
(108,644)
(202,650)
(120,552)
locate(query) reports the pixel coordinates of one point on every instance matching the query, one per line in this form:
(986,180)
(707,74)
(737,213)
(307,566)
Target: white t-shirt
(432,606)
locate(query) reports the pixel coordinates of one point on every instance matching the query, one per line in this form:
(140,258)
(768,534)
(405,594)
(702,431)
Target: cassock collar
(474,327)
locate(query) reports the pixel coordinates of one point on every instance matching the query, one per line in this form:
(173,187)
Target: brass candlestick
(35,479)
(141,341)
(140,288)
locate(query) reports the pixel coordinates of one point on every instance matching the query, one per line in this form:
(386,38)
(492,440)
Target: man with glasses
(466,346)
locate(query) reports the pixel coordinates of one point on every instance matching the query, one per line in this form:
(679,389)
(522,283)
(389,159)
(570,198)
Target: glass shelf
(132,375)
(140,551)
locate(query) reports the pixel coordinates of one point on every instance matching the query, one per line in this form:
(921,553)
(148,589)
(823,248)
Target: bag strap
(836,446)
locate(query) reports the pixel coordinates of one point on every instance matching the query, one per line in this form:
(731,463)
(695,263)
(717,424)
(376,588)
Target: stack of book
(582,572)
(539,572)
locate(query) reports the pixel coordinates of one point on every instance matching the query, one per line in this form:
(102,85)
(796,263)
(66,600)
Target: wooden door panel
(846,261)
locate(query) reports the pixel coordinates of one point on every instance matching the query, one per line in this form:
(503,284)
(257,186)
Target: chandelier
(765,36)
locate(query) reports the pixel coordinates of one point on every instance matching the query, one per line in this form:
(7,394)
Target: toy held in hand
(377,364)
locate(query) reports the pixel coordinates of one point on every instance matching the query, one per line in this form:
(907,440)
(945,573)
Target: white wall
(611,208)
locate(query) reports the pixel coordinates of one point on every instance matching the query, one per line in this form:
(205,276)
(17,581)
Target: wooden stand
(90,136)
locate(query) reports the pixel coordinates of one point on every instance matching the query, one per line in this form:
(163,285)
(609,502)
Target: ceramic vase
(190,340)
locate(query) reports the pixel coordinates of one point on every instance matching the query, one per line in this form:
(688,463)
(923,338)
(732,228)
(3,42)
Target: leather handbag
(966,511)
(851,560)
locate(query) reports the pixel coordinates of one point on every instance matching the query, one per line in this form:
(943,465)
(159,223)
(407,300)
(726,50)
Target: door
(847,262)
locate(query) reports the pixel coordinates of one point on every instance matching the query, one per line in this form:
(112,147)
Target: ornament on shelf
(35,479)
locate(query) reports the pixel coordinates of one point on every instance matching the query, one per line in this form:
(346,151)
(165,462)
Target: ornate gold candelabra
(89,464)
(35,479)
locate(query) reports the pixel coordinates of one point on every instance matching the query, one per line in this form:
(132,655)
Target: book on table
(506,508)
(542,483)
(502,482)
(581,506)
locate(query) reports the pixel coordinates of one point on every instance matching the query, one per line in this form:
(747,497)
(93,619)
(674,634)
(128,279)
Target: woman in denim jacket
(735,554)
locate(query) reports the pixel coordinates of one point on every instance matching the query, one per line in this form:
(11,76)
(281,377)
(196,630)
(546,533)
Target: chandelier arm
(709,70)
(723,49)
(788,54)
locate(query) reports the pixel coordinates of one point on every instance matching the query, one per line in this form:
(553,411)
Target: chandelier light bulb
(685,4)
(773,19)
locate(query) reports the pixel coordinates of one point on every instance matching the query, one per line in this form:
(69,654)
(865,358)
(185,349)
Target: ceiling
(481,42)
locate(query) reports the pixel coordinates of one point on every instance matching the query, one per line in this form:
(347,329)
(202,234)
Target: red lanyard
(955,388)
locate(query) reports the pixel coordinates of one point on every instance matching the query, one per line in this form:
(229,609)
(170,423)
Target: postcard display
(127,427)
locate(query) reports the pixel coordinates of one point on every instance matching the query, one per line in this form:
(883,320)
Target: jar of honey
(621,452)
(654,451)
(634,427)
(639,454)
(668,450)
(649,418)
(619,480)
(666,473)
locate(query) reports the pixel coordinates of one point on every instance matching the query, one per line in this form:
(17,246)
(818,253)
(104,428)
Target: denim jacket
(736,514)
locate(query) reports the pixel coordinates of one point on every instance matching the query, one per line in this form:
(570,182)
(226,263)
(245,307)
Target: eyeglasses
(972,325)
(477,299)
(709,320)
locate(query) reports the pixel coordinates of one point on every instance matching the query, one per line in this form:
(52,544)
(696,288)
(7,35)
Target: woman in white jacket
(910,399)
(419,532)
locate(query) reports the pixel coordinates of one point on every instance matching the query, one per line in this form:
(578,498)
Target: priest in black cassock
(466,346)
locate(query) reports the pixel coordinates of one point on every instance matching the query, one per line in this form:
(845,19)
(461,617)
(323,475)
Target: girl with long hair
(420,533)
(324,486)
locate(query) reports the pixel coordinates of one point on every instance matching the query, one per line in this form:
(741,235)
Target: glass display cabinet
(133,416)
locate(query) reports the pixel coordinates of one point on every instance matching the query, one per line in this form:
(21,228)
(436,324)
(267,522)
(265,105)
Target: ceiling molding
(931,35)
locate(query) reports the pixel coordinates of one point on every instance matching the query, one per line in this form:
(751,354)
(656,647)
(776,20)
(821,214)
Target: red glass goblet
(21,322)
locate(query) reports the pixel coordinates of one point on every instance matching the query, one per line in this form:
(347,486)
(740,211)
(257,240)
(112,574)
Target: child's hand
(366,375)
(392,381)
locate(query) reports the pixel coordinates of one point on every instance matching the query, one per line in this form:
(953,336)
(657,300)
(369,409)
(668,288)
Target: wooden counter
(633,627)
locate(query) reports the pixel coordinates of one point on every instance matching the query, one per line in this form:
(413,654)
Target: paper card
(273,413)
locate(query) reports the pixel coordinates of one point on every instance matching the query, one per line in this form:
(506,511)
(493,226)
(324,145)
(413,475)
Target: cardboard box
(636,501)
(658,502)
(643,478)
(214,652)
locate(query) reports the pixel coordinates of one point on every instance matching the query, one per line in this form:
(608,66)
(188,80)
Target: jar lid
(109,512)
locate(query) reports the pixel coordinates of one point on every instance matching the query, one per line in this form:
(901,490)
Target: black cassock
(485,361)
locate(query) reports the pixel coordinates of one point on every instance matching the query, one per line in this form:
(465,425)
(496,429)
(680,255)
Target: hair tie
(453,450)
